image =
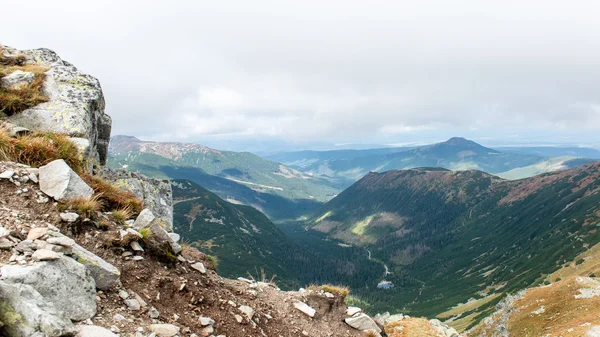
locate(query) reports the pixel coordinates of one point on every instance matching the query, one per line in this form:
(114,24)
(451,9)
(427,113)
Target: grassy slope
(457,239)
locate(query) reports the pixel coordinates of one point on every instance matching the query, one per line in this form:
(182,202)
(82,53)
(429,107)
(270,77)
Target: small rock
(62,241)
(153,313)
(307,310)
(164,330)
(136,246)
(123,294)
(175,237)
(207,330)
(362,322)
(246,310)
(138,258)
(199,266)
(133,304)
(45,255)
(4,232)
(69,217)
(7,174)
(36,233)
(238,318)
(119,317)
(351,311)
(204,321)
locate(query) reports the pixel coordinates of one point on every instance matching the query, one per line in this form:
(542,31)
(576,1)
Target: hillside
(463,237)
(240,177)
(346,167)
(242,239)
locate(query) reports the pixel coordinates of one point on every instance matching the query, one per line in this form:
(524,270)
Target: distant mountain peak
(460,141)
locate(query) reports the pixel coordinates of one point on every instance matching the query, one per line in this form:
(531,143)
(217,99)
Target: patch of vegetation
(114,197)
(121,215)
(40,148)
(145,232)
(339,291)
(86,208)
(16,99)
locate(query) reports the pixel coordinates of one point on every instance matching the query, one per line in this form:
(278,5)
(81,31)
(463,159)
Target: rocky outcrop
(157,240)
(105,274)
(75,107)
(63,282)
(157,194)
(60,182)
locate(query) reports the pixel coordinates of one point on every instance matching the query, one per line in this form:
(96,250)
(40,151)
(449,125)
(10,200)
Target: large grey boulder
(104,273)
(157,194)
(362,322)
(75,107)
(61,183)
(25,312)
(64,283)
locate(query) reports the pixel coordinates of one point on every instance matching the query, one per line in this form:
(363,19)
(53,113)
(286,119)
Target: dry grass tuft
(40,148)
(339,291)
(114,197)
(146,233)
(15,100)
(83,207)
(121,215)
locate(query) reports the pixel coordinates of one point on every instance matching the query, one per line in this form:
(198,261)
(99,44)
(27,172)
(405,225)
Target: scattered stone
(138,258)
(307,310)
(207,330)
(36,233)
(246,310)
(238,318)
(204,321)
(104,273)
(351,311)
(45,255)
(7,174)
(153,313)
(60,182)
(199,266)
(362,322)
(144,219)
(133,304)
(393,318)
(136,246)
(4,232)
(94,331)
(69,217)
(6,244)
(62,241)
(123,294)
(164,330)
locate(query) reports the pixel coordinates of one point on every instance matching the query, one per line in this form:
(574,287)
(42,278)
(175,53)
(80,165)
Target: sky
(252,75)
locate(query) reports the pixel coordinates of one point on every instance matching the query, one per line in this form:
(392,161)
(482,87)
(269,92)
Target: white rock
(60,182)
(45,255)
(351,311)
(305,308)
(246,310)
(136,246)
(94,331)
(362,322)
(4,232)
(204,321)
(199,266)
(133,304)
(164,330)
(16,79)
(69,217)
(153,313)
(62,241)
(175,237)
(144,219)
(7,174)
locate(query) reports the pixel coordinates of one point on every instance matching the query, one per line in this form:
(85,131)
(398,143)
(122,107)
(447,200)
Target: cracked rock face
(76,105)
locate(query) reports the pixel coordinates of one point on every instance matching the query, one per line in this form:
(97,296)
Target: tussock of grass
(339,291)
(121,215)
(145,232)
(83,207)
(212,261)
(114,197)
(15,100)
(40,148)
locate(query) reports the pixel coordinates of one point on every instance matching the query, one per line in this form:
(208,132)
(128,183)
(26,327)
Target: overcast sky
(233,73)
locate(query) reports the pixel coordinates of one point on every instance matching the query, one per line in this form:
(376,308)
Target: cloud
(337,71)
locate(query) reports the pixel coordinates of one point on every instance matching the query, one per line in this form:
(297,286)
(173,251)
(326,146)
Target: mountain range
(239,177)
(455,243)
(346,166)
